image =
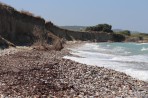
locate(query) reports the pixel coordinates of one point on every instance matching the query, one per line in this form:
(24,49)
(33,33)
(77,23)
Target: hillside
(74,28)
(23,28)
(120,30)
(131,36)
(79,35)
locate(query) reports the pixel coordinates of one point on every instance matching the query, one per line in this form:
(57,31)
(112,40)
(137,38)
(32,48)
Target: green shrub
(100,27)
(125,33)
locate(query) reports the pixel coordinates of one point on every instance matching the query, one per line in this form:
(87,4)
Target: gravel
(42,74)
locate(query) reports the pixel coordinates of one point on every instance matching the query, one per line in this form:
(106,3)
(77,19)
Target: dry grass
(30,14)
(27,13)
(4,5)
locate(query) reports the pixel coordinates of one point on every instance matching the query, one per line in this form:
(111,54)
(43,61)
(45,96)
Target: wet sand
(42,74)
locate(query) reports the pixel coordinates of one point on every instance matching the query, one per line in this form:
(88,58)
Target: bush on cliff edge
(100,27)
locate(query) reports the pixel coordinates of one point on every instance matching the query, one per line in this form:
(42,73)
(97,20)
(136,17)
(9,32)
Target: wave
(144,49)
(114,56)
(141,44)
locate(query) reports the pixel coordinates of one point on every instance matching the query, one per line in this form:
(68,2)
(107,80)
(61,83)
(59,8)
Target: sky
(121,14)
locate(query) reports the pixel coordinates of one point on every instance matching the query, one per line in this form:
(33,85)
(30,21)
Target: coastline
(46,74)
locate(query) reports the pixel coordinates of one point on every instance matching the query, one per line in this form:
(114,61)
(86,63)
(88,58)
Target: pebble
(45,73)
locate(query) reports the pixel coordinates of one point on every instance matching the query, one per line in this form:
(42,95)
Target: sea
(130,58)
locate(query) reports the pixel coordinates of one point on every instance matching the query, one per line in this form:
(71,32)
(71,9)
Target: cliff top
(7,9)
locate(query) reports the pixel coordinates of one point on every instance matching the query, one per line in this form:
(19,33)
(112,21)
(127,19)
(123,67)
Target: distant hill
(119,30)
(82,28)
(74,28)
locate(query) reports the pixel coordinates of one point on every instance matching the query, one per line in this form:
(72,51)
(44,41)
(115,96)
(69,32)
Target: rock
(46,73)
(5,44)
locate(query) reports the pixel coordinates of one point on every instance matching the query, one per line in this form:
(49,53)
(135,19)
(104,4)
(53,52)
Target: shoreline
(45,73)
(84,56)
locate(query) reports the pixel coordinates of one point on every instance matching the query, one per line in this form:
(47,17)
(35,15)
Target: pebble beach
(45,74)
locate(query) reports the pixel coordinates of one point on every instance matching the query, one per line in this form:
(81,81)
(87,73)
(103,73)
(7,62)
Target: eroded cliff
(22,28)
(78,35)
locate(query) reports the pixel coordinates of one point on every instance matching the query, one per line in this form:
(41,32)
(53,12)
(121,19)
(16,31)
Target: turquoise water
(130,58)
(126,48)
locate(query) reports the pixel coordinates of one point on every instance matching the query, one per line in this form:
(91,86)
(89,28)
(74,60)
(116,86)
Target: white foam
(138,74)
(142,44)
(93,54)
(144,49)
(135,58)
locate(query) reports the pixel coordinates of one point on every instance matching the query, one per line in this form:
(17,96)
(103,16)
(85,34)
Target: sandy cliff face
(25,29)
(20,28)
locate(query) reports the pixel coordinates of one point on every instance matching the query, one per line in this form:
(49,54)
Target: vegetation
(141,36)
(100,27)
(118,37)
(125,33)
(30,14)
(133,36)
(27,13)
